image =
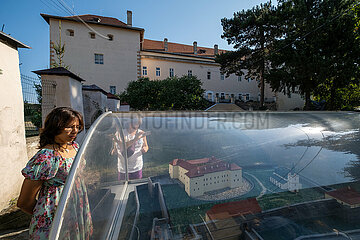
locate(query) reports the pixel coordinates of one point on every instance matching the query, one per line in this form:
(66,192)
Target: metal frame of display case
(59,216)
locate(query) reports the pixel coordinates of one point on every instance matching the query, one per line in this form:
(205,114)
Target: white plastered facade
(120,56)
(12,127)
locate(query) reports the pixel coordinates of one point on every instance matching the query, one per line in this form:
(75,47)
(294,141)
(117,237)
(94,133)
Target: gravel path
(227,193)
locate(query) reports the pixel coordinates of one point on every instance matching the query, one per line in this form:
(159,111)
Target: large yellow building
(205,175)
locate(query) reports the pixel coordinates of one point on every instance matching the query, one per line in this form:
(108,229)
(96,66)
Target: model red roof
(234,209)
(179,48)
(346,195)
(199,167)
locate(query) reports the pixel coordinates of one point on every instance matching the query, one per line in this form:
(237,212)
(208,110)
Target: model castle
(205,175)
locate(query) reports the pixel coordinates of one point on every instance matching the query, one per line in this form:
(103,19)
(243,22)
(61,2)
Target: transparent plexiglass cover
(194,175)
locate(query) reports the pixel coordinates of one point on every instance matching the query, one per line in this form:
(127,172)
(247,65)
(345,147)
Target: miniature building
(285,179)
(233,209)
(206,174)
(345,196)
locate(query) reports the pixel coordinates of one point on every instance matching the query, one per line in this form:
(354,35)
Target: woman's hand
(27,198)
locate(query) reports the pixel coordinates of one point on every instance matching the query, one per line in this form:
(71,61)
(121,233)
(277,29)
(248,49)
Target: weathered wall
(12,128)
(95,103)
(120,55)
(113,104)
(284,103)
(68,93)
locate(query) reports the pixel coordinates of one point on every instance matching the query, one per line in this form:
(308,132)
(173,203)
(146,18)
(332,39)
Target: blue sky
(183,21)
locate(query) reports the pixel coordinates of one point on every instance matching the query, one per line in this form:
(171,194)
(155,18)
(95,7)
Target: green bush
(184,93)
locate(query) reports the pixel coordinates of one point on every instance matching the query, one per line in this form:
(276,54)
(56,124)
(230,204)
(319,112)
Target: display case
(219,175)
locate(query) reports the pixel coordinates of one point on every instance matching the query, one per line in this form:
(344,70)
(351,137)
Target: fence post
(61,88)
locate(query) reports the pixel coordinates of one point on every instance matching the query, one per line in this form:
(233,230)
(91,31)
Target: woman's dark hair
(56,121)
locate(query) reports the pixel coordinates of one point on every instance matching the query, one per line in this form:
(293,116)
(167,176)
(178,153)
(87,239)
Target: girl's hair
(134,120)
(56,121)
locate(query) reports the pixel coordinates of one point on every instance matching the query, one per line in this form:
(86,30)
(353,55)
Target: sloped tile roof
(12,41)
(94,19)
(112,96)
(94,87)
(234,209)
(346,195)
(178,48)
(58,71)
(199,167)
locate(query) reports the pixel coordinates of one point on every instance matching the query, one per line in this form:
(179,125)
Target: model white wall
(120,55)
(12,127)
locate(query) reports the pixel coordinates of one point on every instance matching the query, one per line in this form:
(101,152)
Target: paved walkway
(262,185)
(224,107)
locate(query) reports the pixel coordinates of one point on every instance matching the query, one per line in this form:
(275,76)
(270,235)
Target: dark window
(70,32)
(113,89)
(99,58)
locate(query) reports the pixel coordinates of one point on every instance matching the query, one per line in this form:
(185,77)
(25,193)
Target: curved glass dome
(247,175)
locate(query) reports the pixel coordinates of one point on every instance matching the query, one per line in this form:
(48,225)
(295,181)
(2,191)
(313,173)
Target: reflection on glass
(220,176)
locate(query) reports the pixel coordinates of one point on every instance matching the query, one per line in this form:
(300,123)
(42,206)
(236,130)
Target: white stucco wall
(200,68)
(12,128)
(68,93)
(113,104)
(94,101)
(120,55)
(284,103)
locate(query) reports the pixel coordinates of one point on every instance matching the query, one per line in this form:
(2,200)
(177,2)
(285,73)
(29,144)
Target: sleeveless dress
(50,167)
(135,159)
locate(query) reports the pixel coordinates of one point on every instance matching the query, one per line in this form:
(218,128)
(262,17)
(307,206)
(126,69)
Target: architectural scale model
(285,179)
(205,175)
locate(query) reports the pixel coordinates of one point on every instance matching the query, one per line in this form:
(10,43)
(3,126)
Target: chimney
(195,47)
(165,44)
(129,18)
(216,49)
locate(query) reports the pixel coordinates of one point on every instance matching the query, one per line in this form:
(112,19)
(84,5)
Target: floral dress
(50,167)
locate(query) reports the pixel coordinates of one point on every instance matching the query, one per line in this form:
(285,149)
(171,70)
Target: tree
(184,93)
(340,54)
(318,48)
(252,33)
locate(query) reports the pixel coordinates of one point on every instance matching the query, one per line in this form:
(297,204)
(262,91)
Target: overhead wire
(51,7)
(60,5)
(302,156)
(74,14)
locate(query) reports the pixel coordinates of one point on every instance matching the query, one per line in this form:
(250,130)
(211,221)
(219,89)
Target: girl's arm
(145,147)
(27,198)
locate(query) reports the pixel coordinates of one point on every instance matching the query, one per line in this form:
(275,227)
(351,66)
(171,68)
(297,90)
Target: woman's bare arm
(27,198)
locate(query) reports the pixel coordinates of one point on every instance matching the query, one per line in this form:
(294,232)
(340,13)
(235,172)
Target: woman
(136,145)
(46,172)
